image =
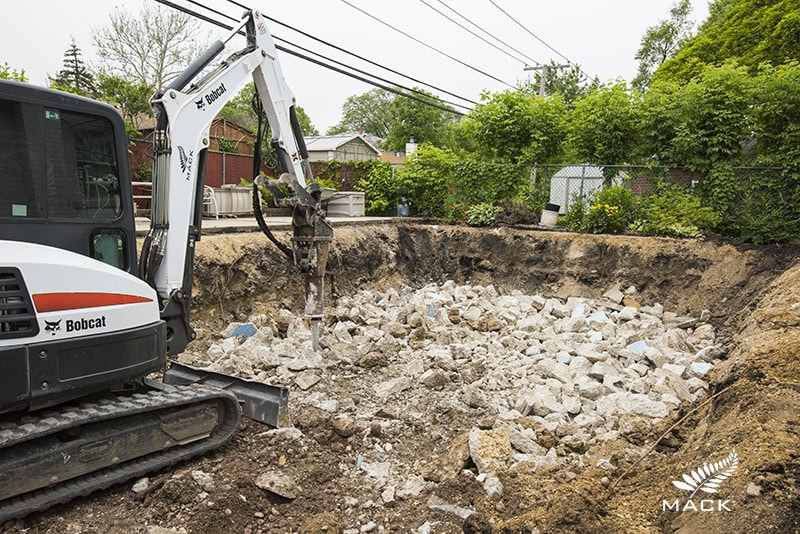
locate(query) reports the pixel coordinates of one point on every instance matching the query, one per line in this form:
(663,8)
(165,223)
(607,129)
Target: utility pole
(543,77)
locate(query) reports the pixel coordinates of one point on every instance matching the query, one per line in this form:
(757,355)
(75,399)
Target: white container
(549,218)
(234,200)
(346,204)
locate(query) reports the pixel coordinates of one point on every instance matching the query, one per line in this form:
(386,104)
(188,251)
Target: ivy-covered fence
(749,204)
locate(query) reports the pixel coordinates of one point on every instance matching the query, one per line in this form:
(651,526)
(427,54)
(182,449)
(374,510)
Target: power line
(427,45)
(371,62)
(515,58)
(326,58)
(362,58)
(489,33)
(537,37)
(411,89)
(210,20)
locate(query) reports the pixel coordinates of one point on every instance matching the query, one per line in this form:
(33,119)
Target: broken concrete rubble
(542,380)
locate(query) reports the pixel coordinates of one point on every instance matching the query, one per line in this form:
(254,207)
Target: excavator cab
(64,174)
(74,319)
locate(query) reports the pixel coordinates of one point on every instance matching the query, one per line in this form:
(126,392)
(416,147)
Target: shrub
(455,206)
(577,214)
(482,214)
(611,210)
(673,210)
(380,185)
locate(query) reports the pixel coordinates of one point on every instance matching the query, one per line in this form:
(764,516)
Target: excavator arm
(184,112)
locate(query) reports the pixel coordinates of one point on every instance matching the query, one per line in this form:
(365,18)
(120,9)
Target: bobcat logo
(200,104)
(186,161)
(52,326)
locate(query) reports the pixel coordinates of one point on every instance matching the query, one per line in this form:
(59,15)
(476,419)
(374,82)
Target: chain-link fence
(562,184)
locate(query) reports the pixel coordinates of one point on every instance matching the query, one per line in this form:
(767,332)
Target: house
(341,147)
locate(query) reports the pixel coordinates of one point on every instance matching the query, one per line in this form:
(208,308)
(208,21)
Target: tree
(605,126)
(412,118)
(8,73)
(661,42)
(515,126)
(371,111)
(74,77)
(132,99)
(703,126)
(753,32)
(151,47)
(239,110)
(571,83)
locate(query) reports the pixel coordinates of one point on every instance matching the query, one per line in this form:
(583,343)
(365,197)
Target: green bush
(576,218)
(455,206)
(482,214)
(674,211)
(381,187)
(610,210)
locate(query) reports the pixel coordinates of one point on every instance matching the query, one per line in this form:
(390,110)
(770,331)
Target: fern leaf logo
(183,159)
(708,477)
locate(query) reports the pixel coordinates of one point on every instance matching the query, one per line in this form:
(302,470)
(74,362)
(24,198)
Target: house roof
(333,142)
(392,158)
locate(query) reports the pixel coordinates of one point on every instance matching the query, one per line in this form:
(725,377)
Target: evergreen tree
(75,77)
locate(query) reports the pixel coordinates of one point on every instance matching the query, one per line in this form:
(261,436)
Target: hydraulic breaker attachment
(311,241)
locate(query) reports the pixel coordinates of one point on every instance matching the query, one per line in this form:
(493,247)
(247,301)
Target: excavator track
(195,419)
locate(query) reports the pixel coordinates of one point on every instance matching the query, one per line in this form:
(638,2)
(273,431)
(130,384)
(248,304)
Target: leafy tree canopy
(9,73)
(425,123)
(516,127)
(371,111)
(751,31)
(571,83)
(604,126)
(661,42)
(132,99)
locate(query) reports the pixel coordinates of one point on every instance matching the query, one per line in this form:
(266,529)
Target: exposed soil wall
(686,276)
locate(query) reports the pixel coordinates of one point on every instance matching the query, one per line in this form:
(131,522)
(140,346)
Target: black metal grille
(17,316)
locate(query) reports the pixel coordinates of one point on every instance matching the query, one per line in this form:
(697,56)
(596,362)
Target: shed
(341,147)
(576,180)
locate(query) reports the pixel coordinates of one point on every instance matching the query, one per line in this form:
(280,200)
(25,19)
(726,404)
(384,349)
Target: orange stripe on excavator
(50,302)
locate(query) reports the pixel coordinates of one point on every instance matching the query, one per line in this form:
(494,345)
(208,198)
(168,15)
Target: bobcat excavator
(82,323)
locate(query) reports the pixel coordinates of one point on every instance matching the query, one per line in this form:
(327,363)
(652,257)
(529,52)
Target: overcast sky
(601,36)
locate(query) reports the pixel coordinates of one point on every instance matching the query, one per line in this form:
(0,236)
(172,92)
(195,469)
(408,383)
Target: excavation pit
(496,380)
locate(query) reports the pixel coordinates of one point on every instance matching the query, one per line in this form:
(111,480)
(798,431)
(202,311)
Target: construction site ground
(316,478)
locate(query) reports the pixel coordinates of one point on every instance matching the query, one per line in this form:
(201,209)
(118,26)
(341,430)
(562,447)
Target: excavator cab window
(57,164)
(81,166)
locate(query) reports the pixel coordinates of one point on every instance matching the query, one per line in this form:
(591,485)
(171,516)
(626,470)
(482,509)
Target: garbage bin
(550,215)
